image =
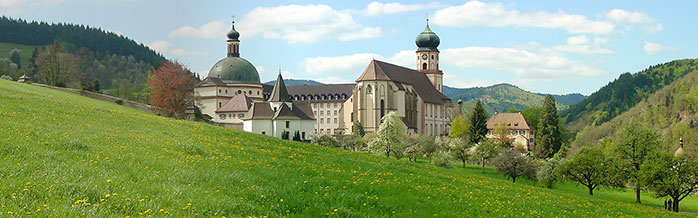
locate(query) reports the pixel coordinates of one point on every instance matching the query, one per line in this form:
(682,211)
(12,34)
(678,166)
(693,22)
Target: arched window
(368,89)
(239,91)
(250,92)
(424,66)
(382,108)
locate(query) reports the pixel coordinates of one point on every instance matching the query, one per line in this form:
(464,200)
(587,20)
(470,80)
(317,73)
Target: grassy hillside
(501,97)
(27,50)
(64,155)
(671,110)
(625,92)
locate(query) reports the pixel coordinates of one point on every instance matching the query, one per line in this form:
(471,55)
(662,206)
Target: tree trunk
(637,195)
(591,190)
(676,205)
(483,166)
(513,179)
(463,163)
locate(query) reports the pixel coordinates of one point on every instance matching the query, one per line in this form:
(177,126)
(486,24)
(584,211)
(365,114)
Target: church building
(233,96)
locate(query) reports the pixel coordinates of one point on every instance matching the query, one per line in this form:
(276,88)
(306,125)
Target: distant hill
(625,92)
(672,110)
(502,97)
(296,82)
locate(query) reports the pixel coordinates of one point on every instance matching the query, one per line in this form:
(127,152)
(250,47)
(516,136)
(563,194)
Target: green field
(64,155)
(27,50)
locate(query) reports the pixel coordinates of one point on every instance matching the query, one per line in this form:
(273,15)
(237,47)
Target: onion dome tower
(428,56)
(233,68)
(679,151)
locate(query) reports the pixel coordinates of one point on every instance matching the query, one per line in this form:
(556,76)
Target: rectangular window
(321,105)
(315,113)
(322,120)
(328,106)
(335,112)
(322,113)
(335,120)
(335,105)
(328,112)
(288,123)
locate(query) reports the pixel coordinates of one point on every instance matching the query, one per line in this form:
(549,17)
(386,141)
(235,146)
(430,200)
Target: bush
(324,139)
(441,159)
(6,77)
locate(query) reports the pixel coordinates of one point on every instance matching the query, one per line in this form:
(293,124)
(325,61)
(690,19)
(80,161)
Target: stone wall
(112,99)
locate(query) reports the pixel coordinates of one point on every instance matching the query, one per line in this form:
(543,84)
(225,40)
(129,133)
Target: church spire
(233,41)
(279,93)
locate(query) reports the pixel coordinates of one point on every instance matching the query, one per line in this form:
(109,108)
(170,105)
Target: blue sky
(543,46)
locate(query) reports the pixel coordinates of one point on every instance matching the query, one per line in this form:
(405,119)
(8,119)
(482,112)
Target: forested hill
(502,97)
(625,92)
(671,110)
(99,41)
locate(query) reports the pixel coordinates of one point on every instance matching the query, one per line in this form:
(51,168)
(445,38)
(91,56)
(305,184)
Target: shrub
(324,139)
(442,158)
(6,77)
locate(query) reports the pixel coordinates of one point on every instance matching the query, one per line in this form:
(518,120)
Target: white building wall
(258,126)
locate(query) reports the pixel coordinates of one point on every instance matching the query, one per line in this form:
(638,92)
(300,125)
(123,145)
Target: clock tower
(428,56)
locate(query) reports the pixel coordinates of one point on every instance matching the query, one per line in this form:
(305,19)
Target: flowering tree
(171,87)
(390,137)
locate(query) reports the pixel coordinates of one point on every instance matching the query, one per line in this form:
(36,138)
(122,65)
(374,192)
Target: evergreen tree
(478,123)
(548,135)
(358,129)
(96,85)
(297,136)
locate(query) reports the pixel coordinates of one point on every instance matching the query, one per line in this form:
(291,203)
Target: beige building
(514,126)
(415,94)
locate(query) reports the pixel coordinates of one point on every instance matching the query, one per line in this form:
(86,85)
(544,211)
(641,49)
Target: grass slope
(63,155)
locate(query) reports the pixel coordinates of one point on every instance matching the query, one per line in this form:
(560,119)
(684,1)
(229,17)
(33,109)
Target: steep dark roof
(279,93)
(259,111)
(263,111)
(378,70)
(511,121)
(239,103)
(320,90)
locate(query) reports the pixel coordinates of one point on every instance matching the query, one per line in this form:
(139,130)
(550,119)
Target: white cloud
(379,8)
(582,44)
(630,18)
(304,24)
(523,63)
(211,30)
(653,48)
(476,13)
(11,3)
(353,64)
(163,47)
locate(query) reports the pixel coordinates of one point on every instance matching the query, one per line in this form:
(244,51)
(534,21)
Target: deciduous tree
(461,149)
(172,86)
(486,150)
(632,146)
(512,163)
(390,136)
(459,126)
(667,175)
(590,167)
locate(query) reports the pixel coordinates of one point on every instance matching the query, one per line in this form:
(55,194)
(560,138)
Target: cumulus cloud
(379,8)
(476,13)
(524,64)
(304,24)
(631,18)
(582,44)
(211,30)
(353,64)
(164,47)
(11,3)
(653,48)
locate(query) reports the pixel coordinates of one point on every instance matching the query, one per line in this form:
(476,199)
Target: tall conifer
(478,123)
(548,135)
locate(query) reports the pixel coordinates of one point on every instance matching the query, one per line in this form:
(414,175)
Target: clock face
(424,56)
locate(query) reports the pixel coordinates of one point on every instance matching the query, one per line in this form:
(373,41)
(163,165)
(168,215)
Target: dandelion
(281,200)
(108,180)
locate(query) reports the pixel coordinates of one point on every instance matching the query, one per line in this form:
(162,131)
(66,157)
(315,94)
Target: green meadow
(64,155)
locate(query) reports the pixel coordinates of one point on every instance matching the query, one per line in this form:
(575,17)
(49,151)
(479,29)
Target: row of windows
(435,111)
(322,113)
(249,92)
(323,105)
(514,132)
(322,121)
(232,116)
(319,97)
(328,131)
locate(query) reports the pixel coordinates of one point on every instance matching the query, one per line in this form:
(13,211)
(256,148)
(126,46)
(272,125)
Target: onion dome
(427,40)
(235,70)
(233,34)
